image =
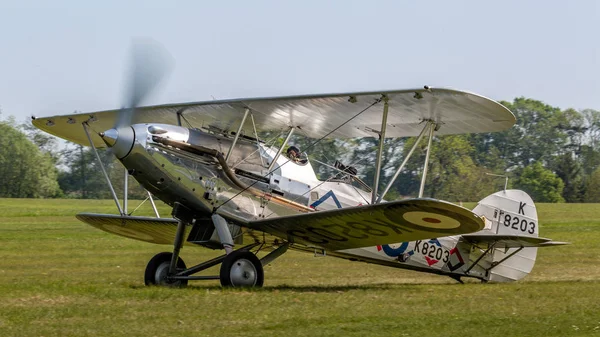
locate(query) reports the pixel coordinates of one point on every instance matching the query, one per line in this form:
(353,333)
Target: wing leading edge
(385,223)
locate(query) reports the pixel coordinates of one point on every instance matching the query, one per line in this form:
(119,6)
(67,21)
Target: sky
(61,56)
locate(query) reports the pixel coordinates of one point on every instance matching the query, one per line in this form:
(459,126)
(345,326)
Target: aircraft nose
(120,140)
(110,137)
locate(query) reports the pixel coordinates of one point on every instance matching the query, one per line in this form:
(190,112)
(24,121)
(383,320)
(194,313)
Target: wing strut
(426,165)
(237,134)
(153,204)
(281,149)
(389,185)
(257,141)
(179,114)
(481,257)
(125,190)
(494,264)
(380,150)
(112,190)
(432,127)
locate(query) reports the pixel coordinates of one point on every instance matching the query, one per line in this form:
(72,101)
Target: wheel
(158,268)
(242,269)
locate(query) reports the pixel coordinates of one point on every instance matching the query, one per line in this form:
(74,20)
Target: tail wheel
(157,271)
(242,269)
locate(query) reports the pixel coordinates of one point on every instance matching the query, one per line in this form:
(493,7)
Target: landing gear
(457,278)
(157,271)
(241,269)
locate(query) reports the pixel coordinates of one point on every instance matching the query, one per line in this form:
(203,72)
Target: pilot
(293,153)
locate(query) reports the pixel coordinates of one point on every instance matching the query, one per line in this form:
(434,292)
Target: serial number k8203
(432,250)
(519,224)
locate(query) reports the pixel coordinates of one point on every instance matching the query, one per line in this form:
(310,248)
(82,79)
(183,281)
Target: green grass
(59,277)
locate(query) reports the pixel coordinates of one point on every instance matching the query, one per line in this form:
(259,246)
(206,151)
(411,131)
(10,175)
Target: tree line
(552,154)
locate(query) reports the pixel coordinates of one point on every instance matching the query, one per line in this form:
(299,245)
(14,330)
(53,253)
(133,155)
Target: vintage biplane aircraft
(228,188)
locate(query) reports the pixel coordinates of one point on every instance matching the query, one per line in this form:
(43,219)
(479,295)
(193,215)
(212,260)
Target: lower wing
(346,228)
(385,223)
(153,230)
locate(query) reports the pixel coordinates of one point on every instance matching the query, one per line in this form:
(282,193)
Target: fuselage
(244,187)
(200,182)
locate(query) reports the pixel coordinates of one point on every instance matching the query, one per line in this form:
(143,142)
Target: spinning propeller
(150,64)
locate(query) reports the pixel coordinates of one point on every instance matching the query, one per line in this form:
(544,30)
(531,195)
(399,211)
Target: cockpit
(297,157)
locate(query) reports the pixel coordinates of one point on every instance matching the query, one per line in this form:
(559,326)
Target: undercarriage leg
(223,232)
(274,254)
(457,278)
(177,246)
(184,216)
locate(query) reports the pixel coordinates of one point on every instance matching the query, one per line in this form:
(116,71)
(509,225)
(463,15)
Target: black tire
(242,269)
(157,269)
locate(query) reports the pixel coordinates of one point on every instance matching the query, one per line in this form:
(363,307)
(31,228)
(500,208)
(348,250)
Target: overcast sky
(60,56)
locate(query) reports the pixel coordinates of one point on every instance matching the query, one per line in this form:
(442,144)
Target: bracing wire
(310,146)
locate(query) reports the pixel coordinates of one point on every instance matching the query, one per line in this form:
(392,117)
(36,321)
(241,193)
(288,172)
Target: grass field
(60,277)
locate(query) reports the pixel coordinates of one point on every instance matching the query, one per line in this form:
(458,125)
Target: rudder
(509,212)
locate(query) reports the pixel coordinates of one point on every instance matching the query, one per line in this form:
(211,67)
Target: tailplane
(506,249)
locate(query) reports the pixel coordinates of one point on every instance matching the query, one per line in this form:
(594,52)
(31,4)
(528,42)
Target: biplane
(230,190)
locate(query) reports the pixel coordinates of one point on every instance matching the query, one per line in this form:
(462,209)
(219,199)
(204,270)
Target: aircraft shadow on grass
(307,288)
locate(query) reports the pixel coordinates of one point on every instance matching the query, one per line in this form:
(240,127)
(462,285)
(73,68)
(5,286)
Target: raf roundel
(431,220)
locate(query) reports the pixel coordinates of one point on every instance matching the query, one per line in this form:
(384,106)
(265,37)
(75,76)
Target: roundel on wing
(431,220)
(434,217)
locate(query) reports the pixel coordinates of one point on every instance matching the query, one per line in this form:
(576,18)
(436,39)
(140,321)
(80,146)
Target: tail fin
(511,219)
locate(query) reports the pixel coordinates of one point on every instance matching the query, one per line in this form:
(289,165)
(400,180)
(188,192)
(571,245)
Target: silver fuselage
(201,183)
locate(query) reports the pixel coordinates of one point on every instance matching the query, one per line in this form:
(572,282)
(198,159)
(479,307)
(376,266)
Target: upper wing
(316,115)
(512,241)
(385,223)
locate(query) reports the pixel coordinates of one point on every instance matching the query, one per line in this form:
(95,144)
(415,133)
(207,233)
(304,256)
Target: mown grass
(59,277)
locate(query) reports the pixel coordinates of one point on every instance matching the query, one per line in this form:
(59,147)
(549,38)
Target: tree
(364,158)
(44,141)
(360,153)
(542,133)
(84,179)
(26,171)
(589,151)
(540,183)
(591,121)
(569,170)
(589,159)
(592,193)
(452,173)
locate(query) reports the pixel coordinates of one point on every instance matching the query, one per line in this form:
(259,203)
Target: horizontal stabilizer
(371,225)
(512,241)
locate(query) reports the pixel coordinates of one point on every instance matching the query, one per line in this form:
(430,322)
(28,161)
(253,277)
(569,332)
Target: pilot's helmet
(293,151)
